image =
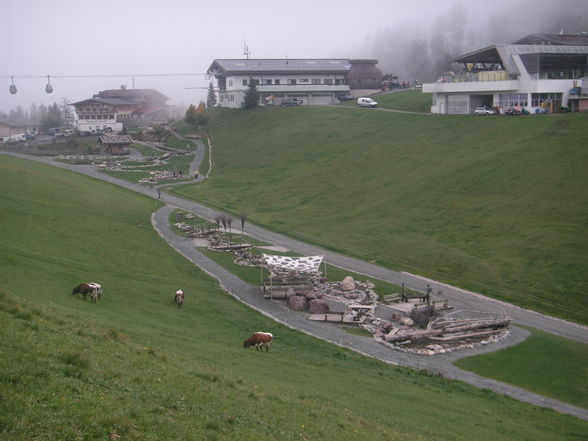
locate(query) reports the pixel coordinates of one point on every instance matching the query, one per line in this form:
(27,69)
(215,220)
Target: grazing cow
(259,340)
(98,288)
(85,289)
(179,298)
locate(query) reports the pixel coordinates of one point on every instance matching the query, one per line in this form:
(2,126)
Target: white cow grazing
(179,298)
(98,288)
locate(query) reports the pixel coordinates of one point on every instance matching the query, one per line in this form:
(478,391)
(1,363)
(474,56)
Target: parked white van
(366,102)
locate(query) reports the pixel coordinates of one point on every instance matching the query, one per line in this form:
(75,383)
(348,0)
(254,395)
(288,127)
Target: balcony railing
(472,77)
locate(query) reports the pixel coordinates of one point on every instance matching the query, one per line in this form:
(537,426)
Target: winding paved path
(251,295)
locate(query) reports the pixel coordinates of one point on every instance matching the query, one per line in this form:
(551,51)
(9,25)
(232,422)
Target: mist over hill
(419,49)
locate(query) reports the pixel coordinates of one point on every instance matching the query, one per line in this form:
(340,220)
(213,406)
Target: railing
(472,77)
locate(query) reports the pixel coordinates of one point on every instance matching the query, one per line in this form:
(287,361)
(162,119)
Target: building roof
(131,94)
(502,53)
(555,39)
(18,122)
(278,66)
(111,101)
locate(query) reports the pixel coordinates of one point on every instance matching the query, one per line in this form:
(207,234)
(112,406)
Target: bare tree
(229,222)
(243,217)
(224,221)
(217,220)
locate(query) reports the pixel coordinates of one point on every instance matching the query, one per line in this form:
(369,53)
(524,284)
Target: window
(328,81)
(316,81)
(276,81)
(513,99)
(539,99)
(292,81)
(244,82)
(303,80)
(267,82)
(231,83)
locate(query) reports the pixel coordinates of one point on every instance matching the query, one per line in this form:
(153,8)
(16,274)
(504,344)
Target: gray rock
(318,306)
(297,303)
(348,284)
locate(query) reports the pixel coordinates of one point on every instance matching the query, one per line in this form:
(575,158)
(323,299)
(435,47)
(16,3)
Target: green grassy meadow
(407,100)
(136,366)
(544,363)
(494,205)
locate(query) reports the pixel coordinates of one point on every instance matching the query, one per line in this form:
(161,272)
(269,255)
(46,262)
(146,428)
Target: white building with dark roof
(117,107)
(311,81)
(541,73)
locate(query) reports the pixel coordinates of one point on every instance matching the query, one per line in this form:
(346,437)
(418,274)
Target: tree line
(54,115)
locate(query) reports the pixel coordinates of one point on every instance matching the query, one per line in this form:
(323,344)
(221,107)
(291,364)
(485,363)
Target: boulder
(318,306)
(297,303)
(406,321)
(348,284)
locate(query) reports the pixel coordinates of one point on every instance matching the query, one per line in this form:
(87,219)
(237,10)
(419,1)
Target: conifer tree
(190,117)
(251,97)
(211,98)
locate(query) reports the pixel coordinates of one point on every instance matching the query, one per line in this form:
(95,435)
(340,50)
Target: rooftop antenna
(561,31)
(246,51)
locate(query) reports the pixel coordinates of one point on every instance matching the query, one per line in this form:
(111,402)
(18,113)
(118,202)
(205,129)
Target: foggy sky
(132,37)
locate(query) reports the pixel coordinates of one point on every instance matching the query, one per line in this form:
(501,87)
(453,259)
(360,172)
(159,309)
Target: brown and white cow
(85,289)
(259,340)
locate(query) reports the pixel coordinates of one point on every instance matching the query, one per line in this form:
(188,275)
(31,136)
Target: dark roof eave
(465,58)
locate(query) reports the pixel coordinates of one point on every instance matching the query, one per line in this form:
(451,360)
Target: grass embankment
(494,205)
(544,363)
(405,100)
(135,365)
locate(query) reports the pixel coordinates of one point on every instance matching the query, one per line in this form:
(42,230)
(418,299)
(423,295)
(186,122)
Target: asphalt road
(250,295)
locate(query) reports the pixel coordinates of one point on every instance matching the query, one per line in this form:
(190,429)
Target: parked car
(483,110)
(30,136)
(346,97)
(366,102)
(291,102)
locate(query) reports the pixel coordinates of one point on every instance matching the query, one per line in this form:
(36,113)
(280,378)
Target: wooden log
(429,333)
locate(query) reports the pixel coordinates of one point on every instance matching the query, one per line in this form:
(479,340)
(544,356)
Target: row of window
(513,99)
(228,98)
(522,99)
(293,81)
(94,109)
(96,116)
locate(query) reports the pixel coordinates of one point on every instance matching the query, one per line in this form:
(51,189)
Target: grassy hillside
(544,363)
(408,100)
(496,205)
(135,365)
